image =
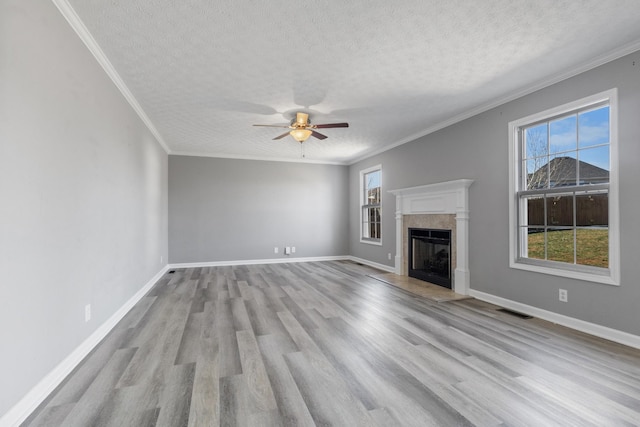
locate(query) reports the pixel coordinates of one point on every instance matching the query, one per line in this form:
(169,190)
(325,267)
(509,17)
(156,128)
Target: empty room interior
(319,213)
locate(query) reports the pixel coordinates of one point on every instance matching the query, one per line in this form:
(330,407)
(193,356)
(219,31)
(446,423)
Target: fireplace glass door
(430,255)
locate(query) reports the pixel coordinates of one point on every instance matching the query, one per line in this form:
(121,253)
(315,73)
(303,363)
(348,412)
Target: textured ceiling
(204,71)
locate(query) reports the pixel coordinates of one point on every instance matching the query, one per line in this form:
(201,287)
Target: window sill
(606,277)
(377,242)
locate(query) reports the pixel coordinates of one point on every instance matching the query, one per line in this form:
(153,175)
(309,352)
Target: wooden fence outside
(591,210)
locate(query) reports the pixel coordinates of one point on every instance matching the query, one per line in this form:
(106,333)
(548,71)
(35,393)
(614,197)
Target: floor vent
(515,313)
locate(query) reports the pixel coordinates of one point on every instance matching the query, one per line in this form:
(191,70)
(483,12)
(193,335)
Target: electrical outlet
(562,295)
(87,312)
(275,249)
(293,249)
(287,250)
(389,255)
(161,259)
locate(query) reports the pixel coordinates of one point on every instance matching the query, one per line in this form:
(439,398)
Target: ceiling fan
(302,129)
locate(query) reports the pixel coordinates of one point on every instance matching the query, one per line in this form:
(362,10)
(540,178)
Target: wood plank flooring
(320,343)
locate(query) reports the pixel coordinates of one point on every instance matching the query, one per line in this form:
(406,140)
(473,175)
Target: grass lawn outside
(592,246)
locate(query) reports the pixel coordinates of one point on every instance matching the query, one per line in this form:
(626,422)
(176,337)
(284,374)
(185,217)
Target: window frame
(363,204)
(609,276)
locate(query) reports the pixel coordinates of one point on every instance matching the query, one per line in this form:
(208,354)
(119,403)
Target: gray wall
(233,210)
(477,148)
(83,190)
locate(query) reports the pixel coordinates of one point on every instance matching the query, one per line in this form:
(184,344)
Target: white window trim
(376,242)
(610,276)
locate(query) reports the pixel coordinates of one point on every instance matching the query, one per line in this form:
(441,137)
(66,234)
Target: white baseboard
(48,384)
(377,265)
(282,261)
(560,319)
(257,261)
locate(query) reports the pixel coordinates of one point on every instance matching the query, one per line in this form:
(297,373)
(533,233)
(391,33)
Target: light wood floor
(323,344)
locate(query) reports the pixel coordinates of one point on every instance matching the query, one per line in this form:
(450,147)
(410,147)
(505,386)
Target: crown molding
(257,158)
(541,84)
(78,26)
(81,30)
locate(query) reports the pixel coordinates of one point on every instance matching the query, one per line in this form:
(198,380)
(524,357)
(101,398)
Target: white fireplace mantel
(451,197)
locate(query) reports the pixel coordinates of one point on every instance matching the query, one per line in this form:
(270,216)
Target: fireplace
(430,255)
(442,206)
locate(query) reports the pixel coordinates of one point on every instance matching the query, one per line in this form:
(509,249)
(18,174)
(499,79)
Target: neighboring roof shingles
(563,171)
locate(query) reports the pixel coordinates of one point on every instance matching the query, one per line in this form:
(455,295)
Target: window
(370,199)
(563,219)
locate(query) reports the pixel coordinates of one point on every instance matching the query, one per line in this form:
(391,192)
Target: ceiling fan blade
(281,136)
(318,135)
(331,125)
(275,126)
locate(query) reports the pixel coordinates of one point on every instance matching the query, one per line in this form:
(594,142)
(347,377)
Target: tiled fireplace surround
(438,206)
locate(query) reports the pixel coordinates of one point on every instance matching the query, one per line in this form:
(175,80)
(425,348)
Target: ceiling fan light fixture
(300,135)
